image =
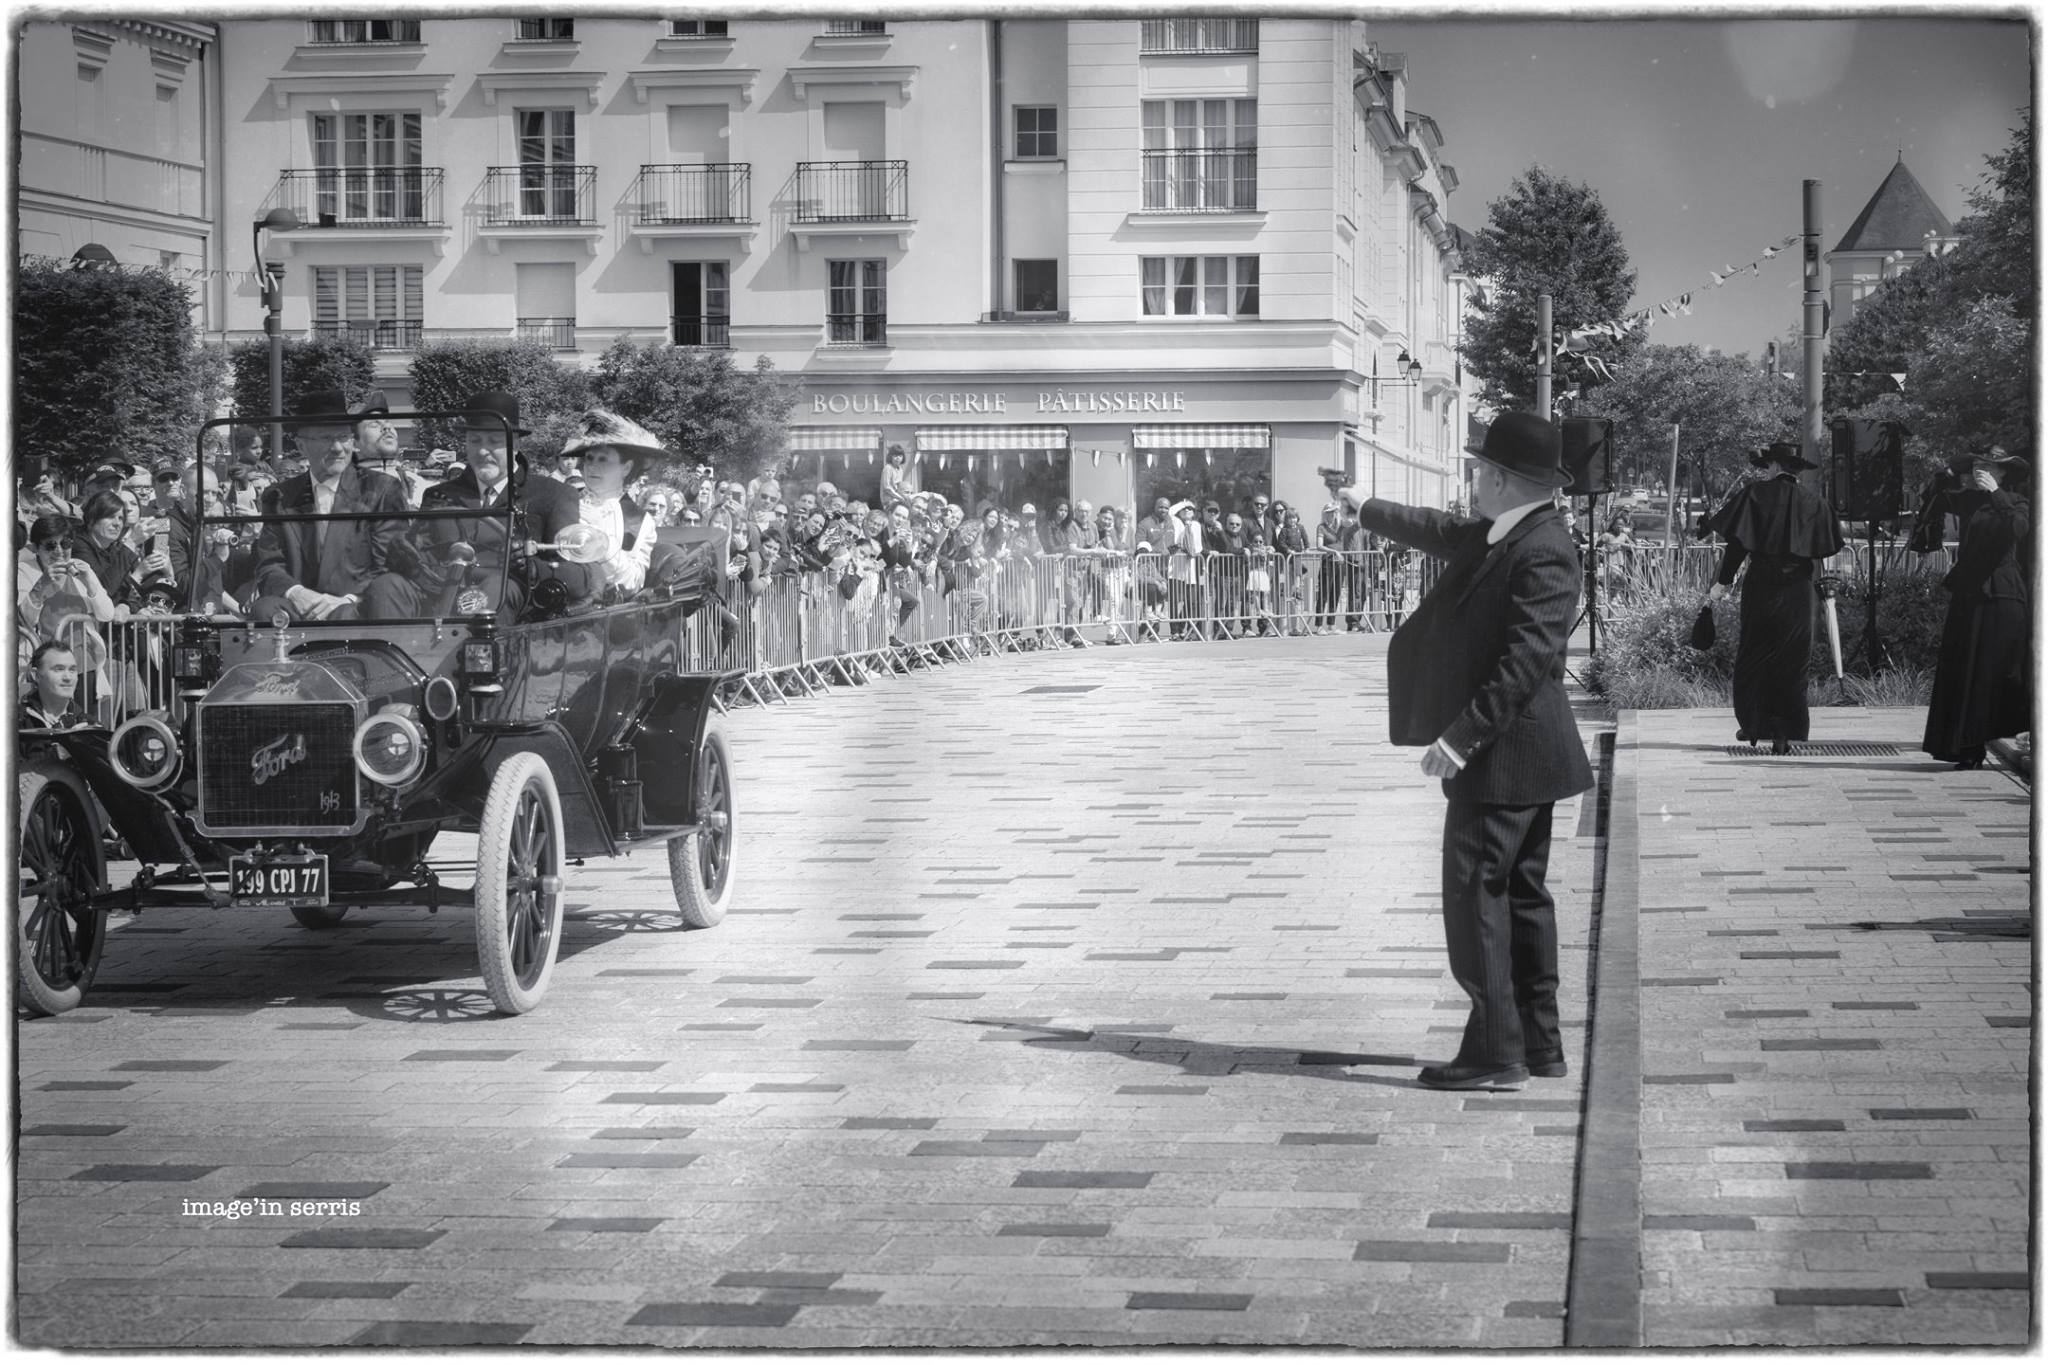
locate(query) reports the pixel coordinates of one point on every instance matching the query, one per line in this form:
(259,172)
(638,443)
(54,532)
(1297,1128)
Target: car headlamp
(144,753)
(390,748)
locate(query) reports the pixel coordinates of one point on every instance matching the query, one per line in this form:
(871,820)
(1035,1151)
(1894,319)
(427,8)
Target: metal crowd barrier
(800,632)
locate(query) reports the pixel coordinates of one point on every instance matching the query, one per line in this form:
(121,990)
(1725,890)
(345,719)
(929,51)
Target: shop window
(1199,286)
(1038,131)
(1230,478)
(1038,286)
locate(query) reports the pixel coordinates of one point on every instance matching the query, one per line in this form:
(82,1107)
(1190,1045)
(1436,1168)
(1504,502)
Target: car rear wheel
(319,916)
(519,884)
(700,865)
(58,935)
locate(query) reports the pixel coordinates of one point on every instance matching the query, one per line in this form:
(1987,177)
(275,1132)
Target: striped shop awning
(835,438)
(1231,436)
(991,438)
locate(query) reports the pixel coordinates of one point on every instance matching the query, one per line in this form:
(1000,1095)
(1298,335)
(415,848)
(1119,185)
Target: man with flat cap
(1475,675)
(328,570)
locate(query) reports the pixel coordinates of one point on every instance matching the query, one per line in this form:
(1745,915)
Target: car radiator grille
(277,767)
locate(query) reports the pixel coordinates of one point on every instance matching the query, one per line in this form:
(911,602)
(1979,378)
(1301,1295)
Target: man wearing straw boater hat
(1475,675)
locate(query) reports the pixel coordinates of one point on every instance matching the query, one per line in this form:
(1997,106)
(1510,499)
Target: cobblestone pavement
(1076,999)
(1068,999)
(1835,965)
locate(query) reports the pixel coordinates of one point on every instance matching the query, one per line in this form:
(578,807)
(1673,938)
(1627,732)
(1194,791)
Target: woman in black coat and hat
(1783,530)
(1982,681)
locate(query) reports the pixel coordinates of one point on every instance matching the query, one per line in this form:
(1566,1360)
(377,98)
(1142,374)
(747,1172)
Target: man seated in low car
(319,570)
(469,565)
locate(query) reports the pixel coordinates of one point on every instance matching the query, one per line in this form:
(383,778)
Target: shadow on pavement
(1196,1058)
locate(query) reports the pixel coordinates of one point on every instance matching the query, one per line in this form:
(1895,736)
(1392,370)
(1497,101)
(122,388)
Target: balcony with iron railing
(1164,36)
(708,330)
(850,198)
(540,195)
(856,329)
(721,192)
(362,198)
(379,334)
(1220,180)
(558,333)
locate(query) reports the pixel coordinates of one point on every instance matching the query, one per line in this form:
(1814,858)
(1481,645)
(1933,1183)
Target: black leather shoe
(1474,1076)
(1549,1065)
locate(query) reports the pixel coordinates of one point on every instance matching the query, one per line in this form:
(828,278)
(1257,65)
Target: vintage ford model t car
(310,766)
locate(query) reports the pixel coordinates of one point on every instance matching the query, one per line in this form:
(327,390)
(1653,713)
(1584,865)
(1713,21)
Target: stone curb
(1604,1296)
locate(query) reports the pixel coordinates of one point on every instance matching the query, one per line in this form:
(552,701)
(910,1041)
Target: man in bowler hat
(318,570)
(469,556)
(1475,676)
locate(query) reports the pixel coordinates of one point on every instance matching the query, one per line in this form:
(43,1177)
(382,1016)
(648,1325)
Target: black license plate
(278,881)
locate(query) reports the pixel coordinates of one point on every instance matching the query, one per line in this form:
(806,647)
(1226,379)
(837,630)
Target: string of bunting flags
(176,272)
(1575,344)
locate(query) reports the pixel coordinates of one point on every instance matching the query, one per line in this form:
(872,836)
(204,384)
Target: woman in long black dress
(1783,530)
(1982,686)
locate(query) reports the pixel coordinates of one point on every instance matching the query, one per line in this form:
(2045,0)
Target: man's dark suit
(1480,665)
(549,507)
(338,558)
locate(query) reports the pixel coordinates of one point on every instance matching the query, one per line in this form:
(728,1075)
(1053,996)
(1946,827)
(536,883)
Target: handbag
(1703,628)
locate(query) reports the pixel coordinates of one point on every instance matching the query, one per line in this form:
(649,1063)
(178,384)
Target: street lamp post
(277,220)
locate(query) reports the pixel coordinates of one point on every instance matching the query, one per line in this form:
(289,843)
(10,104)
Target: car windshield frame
(512,515)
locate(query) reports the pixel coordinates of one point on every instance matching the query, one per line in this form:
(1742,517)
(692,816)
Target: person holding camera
(1983,679)
(1784,530)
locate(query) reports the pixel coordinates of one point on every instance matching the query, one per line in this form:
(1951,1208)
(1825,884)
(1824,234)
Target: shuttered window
(380,303)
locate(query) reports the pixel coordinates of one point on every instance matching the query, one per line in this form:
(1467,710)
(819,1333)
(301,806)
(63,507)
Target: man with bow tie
(1475,678)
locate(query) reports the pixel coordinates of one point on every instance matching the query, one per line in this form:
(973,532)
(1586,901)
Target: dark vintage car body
(552,737)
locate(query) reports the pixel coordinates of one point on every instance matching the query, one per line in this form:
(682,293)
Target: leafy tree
(551,393)
(1725,406)
(1547,235)
(104,366)
(1959,327)
(311,364)
(706,408)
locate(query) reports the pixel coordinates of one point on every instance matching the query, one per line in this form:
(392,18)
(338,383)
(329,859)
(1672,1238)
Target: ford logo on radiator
(274,757)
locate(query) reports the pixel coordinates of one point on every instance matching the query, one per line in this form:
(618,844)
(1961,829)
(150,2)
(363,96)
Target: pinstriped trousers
(1501,930)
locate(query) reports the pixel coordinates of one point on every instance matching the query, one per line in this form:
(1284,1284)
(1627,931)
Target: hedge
(446,373)
(104,366)
(311,364)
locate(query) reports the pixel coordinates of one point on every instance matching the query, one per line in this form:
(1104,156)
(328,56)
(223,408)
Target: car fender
(143,819)
(665,739)
(585,831)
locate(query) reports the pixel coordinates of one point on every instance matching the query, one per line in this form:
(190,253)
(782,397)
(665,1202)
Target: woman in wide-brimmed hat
(611,451)
(1783,530)
(1983,677)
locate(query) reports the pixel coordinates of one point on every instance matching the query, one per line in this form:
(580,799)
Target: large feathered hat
(600,428)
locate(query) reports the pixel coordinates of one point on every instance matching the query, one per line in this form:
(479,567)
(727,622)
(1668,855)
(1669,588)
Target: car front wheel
(58,936)
(519,884)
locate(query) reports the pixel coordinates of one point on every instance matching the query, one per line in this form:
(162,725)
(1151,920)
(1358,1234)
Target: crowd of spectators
(130,541)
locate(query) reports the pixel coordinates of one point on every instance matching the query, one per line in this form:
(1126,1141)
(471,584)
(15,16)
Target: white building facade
(119,139)
(1111,259)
